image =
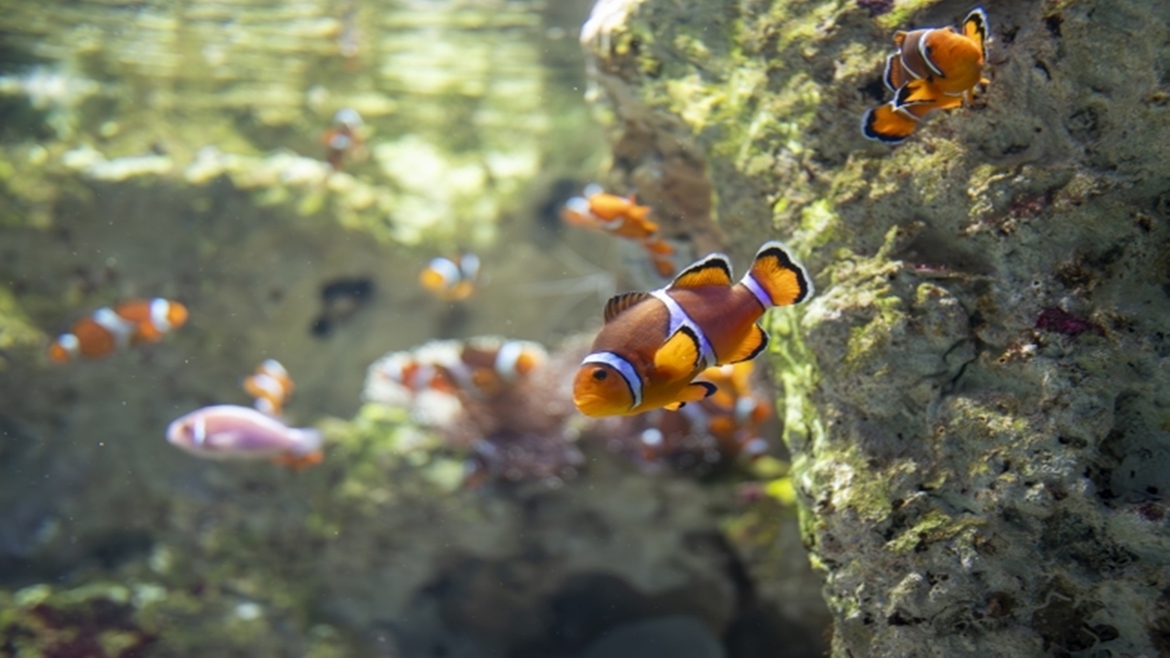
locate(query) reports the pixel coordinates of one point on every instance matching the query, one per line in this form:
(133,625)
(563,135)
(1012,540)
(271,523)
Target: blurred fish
(451,279)
(342,139)
(734,414)
(349,38)
(623,217)
(654,344)
(109,329)
(933,69)
(488,364)
(232,432)
(271,385)
(412,372)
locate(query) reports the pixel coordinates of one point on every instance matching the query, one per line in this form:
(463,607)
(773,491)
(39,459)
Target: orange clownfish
(451,279)
(487,364)
(271,385)
(108,329)
(654,344)
(933,69)
(623,217)
(734,413)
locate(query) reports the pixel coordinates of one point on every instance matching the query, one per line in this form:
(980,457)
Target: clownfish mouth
(594,405)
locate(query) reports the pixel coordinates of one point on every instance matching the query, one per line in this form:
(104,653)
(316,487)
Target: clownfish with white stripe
(623,217)
(933,69)
(488,364)
(451,279)
(271,385)
(654,344)
(107,330)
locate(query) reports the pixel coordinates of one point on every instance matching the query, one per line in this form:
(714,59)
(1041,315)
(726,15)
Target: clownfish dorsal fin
(693,392)
(680,354)
(751,347)
(714,270)
(619,303)
(975,28)
(915,92)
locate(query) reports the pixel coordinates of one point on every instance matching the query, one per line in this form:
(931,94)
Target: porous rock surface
(977,399)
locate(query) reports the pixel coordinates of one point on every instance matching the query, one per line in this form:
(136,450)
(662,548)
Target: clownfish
(271,385)
(451,279)
(417,372)
(228,431)
(734,413)
(487,364)
(654,344)
(108,329)
(342,139)
(623,217)
(933,69)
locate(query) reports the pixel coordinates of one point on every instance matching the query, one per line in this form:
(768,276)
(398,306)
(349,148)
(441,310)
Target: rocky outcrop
(977,398)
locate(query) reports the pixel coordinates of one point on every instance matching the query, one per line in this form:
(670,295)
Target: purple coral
(876,7)
(1065,323)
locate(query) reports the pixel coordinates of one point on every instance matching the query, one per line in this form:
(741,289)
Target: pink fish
(228,431)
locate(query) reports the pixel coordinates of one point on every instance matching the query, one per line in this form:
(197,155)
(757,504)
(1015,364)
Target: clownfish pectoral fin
(886,123)
(621,302)
(714,270)
(750,348)
(775,274)
(680,355)
(975,28)
(299,462)
(693,392)
(916,92)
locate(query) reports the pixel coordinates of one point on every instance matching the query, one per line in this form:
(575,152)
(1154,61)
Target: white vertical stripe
(624,368)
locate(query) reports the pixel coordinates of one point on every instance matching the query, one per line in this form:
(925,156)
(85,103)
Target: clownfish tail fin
(776,278)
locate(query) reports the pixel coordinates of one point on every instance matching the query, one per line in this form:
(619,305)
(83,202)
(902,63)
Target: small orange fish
(623,217)
(933,69)
(342,139)
(734,414)
(488,364)
(108,329)
(271,385)
(654,344)
(451,279)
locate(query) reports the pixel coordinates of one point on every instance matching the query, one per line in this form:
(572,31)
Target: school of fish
(675,361)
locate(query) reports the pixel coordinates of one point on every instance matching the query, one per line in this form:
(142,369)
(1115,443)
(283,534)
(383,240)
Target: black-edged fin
(621,302)
(888,124)
(714,270)
(779,275)
(915,92)
(975,27)
(680,355)
(756,342)
(693,392)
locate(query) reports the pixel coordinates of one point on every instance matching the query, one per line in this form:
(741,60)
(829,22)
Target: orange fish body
(654,344)
(623,217)
(271,385)
(451,279)
(489,364)
(933,69)
(107,330)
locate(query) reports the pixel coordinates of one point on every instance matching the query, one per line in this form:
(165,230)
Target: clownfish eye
(600,374)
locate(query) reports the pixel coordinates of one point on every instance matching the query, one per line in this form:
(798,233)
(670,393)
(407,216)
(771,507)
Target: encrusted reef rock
(978,399)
